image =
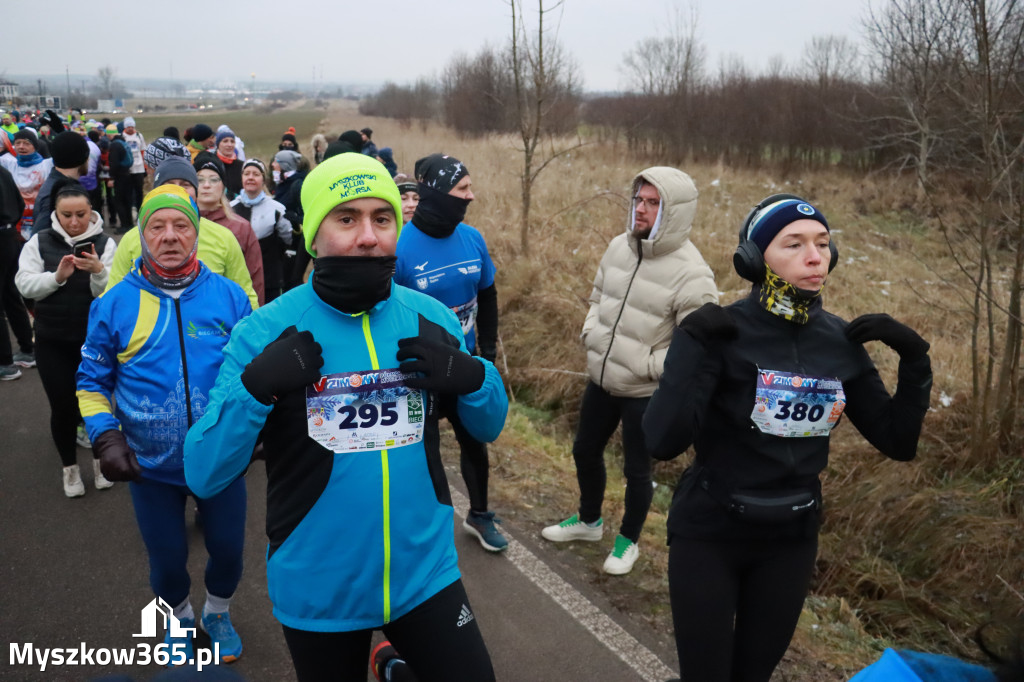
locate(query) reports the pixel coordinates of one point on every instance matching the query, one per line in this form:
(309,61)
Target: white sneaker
(574,529)
(73,486)
(98,478)
(623,556)
(82,437)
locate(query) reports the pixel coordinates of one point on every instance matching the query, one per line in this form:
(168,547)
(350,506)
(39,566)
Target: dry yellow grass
(914,552)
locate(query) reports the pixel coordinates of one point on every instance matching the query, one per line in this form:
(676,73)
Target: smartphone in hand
(82,249)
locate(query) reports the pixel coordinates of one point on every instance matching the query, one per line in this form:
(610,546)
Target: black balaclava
(439,213)
(353,284)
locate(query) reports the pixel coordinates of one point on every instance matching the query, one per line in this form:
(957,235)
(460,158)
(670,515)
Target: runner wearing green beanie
(343,178)
(169,196)
(169,263)
(350,340)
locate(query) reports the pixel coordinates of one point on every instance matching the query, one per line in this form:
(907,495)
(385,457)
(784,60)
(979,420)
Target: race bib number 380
(796,406)
(370,410)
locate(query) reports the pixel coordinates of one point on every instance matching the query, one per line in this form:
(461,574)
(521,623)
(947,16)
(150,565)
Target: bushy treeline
(406,103)
(475,96)
(749,122)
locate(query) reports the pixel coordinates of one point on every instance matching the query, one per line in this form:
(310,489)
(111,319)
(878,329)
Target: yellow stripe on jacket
(149,311)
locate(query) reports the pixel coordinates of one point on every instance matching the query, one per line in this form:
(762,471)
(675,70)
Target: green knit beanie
(168,196)
(343,178)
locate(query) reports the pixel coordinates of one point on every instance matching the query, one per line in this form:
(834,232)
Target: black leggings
(735,604)
(435,639)
(57,362)
(600,414)
(472,460)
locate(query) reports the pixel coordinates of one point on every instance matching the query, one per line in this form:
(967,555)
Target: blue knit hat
(222,133)
(773,218)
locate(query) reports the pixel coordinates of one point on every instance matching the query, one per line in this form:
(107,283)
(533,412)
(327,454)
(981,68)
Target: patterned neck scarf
(781,298)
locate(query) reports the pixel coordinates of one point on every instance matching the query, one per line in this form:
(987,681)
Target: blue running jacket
(359,514)
(158,357)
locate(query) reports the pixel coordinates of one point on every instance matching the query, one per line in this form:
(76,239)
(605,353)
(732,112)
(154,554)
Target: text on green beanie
(343,178)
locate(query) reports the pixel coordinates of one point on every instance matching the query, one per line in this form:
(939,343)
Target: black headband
(257,163)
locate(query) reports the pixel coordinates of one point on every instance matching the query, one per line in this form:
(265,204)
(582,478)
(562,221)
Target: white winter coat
(643,289)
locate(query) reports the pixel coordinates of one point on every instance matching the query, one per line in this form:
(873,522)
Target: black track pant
(96,198)
(12,306)
(429,638)
(123,192)
(111,203)
(138,189)
(600,414)
(57,362)
(735,604)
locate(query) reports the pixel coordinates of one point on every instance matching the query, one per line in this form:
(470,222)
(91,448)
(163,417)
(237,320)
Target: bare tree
(476,93)
(776,67)
(915,44)
(829,59)
(545,81)
(109,84)
(667,65)
(954,67)
(989,97)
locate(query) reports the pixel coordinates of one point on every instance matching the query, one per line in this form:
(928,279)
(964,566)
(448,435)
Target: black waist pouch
(762,506)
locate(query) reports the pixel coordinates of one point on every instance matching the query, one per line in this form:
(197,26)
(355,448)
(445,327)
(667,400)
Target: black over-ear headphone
(748,259)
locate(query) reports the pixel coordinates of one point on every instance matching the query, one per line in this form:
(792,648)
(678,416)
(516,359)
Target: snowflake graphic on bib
(364,410)
(795,405)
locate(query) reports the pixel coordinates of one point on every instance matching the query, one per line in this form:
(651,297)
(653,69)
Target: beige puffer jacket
(643,289)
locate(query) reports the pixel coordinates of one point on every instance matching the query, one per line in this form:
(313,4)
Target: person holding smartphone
(63,268)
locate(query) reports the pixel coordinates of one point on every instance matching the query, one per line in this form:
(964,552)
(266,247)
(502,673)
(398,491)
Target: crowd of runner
(191,309)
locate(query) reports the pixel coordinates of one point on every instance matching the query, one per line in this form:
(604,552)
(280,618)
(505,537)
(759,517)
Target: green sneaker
(623,556)
(574,529)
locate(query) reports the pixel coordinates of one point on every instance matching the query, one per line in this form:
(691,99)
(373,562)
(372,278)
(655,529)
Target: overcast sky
(367,42)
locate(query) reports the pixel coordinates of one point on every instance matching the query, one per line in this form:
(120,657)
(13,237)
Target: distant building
(48,102)
(8,90)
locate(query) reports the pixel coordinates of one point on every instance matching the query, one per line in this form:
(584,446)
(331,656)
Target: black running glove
(898,336)
(291,362)
(708,324)
(52,119)
(445,369)
(117,461)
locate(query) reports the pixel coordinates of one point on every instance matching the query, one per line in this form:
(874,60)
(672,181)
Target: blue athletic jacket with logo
(359,538)
(452,269)
(158,357)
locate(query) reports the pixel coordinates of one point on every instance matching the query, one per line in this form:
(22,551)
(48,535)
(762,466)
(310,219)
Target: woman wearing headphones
(756,387)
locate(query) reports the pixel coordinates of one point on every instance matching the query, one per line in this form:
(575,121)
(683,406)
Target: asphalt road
(74,573)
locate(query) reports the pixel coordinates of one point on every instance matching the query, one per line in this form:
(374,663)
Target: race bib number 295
(796,406)
(365,410)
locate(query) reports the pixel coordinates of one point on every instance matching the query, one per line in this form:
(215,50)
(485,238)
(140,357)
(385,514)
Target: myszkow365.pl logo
(143,653)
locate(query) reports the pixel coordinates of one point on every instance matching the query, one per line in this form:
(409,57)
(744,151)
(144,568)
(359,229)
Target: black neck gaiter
(353,284)
(438,213)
